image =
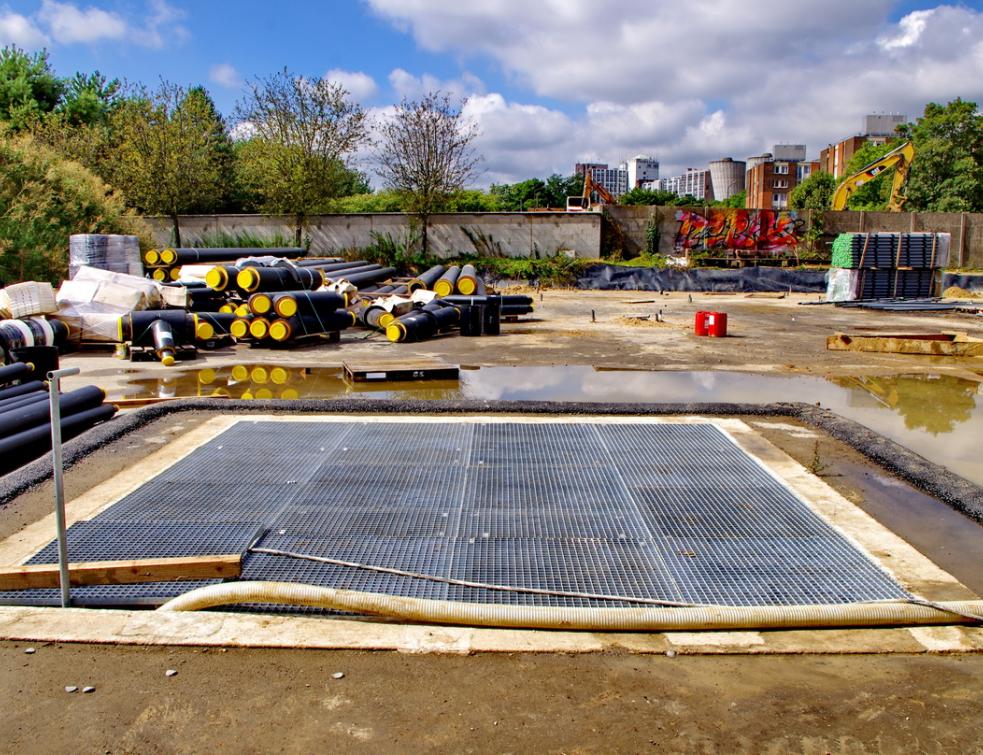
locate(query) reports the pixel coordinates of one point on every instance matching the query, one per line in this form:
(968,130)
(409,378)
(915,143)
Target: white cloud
(68,23)
(689,81)
(19,30)
(412,87)
(225,75)
(359,85)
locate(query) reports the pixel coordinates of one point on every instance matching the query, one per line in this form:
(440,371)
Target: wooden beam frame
(35,576)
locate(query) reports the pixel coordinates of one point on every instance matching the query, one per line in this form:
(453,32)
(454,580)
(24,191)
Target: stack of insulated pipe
(18,336)
(424,323)
(427,279)
(25,419)
(293,316)
(251,279)
(165,330)
(511,306)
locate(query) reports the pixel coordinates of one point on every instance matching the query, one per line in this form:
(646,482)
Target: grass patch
(244,239)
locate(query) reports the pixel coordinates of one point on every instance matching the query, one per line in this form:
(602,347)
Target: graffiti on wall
(726,229)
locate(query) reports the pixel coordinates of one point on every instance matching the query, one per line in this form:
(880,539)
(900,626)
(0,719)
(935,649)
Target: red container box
(700,324)
(717,324)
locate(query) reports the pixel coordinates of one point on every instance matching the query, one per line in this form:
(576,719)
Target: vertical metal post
(54,390)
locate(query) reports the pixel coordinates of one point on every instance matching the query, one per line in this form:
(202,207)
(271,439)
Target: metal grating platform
(668,511)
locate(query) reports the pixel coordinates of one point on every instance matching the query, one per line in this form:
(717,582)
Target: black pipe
(211,324)
(328,266)
(164,345)
(290,328)
(16,450)
(137,326)
(15,371)
(43,358)
(79,400)
(293,303)
(17,401)
(418,325)
(334,275)
(251,279)
(426,279)
(447,282)
(189,256)
(467,281)
(514,310)
(507,300)
(369,277)
(20,390)
(221,277)
(239,328)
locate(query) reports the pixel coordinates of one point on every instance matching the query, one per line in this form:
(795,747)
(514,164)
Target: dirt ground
(573,327)
(281,700)
(284,701)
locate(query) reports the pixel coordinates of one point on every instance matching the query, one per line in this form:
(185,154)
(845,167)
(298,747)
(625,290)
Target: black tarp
(613,277)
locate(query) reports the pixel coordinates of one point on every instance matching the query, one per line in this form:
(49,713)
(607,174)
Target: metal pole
(54,389)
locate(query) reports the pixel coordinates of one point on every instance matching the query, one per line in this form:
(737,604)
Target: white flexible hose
(649,619)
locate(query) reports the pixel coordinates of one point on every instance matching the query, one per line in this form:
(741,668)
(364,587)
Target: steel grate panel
(668,511)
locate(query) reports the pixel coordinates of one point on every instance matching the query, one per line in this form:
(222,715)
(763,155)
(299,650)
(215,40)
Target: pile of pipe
(165,264)
(26,333)
(886,265)
(173,333)
(25,414)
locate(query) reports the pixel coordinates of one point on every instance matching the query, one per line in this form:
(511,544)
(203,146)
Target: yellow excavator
(583,202)
(900,158)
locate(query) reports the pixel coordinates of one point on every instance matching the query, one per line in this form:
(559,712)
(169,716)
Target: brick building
(877,129)
(770,181)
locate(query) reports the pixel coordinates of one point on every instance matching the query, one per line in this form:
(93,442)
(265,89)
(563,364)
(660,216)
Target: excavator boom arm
(899,158)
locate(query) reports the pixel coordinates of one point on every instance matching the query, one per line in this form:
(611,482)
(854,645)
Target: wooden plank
(934,344)
(401,370)
(26,577)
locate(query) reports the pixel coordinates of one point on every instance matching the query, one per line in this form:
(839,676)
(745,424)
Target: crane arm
(899,158)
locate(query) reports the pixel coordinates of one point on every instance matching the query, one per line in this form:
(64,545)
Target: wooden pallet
(402,370)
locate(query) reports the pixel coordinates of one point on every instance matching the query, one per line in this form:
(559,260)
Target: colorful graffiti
(729,230)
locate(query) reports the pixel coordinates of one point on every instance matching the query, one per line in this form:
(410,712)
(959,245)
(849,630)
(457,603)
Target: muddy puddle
(937,416)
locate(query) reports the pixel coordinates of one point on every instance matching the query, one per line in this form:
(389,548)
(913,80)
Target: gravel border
(939,482)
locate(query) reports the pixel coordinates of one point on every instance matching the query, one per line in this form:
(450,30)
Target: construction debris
(931,344)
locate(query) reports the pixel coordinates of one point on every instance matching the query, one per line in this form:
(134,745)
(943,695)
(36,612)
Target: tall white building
(694,182)
(615,180)
(642,169)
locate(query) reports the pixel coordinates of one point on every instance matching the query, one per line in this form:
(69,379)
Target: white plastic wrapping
(843,284)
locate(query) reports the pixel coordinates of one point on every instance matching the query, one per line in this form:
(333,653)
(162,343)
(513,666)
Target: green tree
(425,154)
(28,87)
(88,99)
(302,132)
(947,172)
(737,201)
(522,195)
(875,194)
(169,158)
(45,198)
(639,196)
(815,193)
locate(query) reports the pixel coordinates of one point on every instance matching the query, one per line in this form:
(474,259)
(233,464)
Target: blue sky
(552,82)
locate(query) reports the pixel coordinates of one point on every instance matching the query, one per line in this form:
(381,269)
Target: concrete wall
(503,234)
(630,228)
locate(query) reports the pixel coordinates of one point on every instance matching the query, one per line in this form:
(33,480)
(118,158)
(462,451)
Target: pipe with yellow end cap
(290,328)
(468,282)
(260,304)
(175,273)
(444,286)
(426,279)
(211,324)
(168,256)
(220,276)
(243,310)
(252,279)
(240,373)
(240,327)
(293,303)
(164,342)
(159,275)
(259,328)
(151,257)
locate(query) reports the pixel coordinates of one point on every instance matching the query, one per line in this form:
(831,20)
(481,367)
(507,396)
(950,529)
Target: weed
(817,466)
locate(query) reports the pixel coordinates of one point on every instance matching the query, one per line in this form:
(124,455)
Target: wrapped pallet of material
(120,291)
(112,252)
(28,298)
(843,284)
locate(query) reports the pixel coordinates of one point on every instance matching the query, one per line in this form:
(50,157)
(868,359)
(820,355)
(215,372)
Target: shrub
(45,198)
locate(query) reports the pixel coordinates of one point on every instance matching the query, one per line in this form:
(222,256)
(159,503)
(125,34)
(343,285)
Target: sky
(551,82)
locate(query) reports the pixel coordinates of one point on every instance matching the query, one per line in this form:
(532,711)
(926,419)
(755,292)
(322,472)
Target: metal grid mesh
(667,511)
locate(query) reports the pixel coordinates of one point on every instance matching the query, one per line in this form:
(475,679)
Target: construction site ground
(680,698)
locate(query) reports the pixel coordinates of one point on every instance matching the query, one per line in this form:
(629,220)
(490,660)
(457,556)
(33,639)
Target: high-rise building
(615,180)
(727,177)
(771,177)
(641,169)
(581,169)
(694,182)
(877,129)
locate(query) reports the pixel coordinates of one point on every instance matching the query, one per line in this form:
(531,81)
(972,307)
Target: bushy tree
(88,99)
(815,193)
(639,196)
(947,173)
(425,154)
(301,133)
(28,87)
(169,157)
(45,198)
